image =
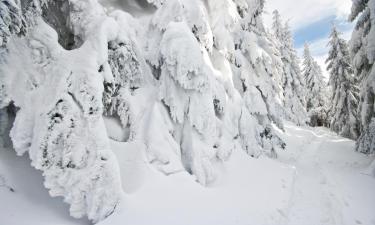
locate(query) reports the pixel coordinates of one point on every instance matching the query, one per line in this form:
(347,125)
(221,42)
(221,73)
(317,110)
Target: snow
(239,195)
(60,123)
(331,186)
(121,63)
(318,180)
(132,161)
(30,202)
(169,110)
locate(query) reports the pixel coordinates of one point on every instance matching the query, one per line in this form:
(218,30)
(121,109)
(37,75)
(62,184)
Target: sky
(311,22)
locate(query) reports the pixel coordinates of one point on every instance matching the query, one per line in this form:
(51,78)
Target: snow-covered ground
(318,180)
(332,183)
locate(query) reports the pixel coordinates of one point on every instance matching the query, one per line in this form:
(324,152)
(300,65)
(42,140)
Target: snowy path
(325,189)
(319,180)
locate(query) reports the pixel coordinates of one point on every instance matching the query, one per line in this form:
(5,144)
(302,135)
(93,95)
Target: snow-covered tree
(238,123)
(11,21)
(190,82)
(362,50)
(345,93)
(292,83)
(127,76)
(316,93)
(235,38)
(193,97)
(59,122)
(257,70)
(185,91)
(277,25)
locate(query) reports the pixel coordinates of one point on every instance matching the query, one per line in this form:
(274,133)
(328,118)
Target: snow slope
(319,179)
(29,202)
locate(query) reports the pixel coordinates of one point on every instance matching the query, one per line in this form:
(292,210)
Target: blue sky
(319,29)
(311,22)
(313,31)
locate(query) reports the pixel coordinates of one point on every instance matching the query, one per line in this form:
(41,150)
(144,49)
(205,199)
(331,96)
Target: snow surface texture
(319,180)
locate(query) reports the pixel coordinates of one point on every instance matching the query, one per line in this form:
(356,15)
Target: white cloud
(304,12)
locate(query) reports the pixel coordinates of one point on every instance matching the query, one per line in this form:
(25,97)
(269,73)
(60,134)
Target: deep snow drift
(318,180)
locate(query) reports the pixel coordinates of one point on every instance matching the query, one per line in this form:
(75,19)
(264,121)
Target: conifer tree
(292,84)
(11,21)
(362,51)
(277,25)
(316,94)
(258,69)
(344,99)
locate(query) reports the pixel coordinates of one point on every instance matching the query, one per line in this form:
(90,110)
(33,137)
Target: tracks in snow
(314,199)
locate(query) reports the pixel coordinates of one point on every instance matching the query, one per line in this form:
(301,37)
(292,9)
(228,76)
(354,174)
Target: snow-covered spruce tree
(292,84)
(11,21)
(345,93)
(130,79)
(187,85)
(131,94)
(237,121)
(316,93)
(59,122)
(362,51)
(228,116)
(194,109)
(250,67)
(277,25)
(257,72)
(262,65)
(191,82)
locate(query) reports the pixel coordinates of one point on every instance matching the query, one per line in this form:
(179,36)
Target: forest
(184,112)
